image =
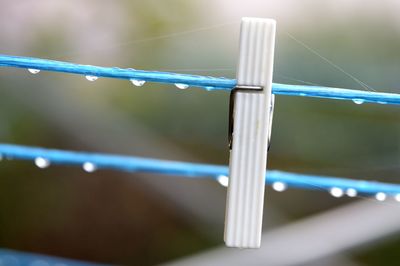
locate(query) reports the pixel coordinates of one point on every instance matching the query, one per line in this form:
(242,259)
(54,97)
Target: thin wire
(175,34)
(361,83)
(161,37)
(189,170)
(297,80)
(230,70)
(206,82)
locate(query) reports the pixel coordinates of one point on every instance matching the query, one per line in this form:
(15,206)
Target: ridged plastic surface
(248,156)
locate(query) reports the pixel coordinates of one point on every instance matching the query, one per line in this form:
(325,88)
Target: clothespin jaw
(251,108)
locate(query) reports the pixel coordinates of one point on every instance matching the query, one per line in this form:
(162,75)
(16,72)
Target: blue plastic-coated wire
(190,170)
(17,258)
(114,72)
(208,83)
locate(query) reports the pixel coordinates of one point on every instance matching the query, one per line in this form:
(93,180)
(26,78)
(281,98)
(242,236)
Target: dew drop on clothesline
(181,86)
(91,78)
(42,162)
(223,180)
(351,192)
(279,186)
(397,197)
(89,167)
(358,101)
(137,82)
(336,192)
(33,71)
(380,196)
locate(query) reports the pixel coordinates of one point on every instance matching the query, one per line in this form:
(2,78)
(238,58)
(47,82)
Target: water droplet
(223,180)
(279,186)
(397,197)
(42,162)
(209,88)
(89,167)
(336,192)
(382,102)
(91,78)
(302,94)
(137,82)
(380,196)
(351,192)
(181,86)
(358,101)
(33,71)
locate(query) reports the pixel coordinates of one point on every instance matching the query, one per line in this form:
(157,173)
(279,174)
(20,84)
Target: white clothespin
(251,109)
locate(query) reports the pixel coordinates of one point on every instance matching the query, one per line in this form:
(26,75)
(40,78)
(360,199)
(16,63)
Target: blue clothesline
(190,170)
(10,257)
(208,83)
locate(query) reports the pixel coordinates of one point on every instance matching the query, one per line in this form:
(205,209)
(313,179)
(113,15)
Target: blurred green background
(135,219)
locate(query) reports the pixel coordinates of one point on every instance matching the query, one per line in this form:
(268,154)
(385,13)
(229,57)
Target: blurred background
(111,217)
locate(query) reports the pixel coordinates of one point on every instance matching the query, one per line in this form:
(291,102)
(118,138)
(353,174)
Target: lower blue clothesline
(189,170)
(10,257)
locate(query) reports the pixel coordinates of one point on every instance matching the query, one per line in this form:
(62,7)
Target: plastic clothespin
(251,109)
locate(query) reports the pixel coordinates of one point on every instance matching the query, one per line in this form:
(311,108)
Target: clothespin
(251,109)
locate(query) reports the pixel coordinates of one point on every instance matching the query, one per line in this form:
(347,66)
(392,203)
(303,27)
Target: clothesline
(139,77)
(280,180)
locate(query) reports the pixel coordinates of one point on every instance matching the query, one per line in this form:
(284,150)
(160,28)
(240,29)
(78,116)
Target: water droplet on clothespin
(380,196)
(358,101)
(351,192)
(223,180)
(397,197)
(42,162)
(137,82)
(336,192)
(91,78)
(33,71)
(279,186)
(89,167)
(181,86)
